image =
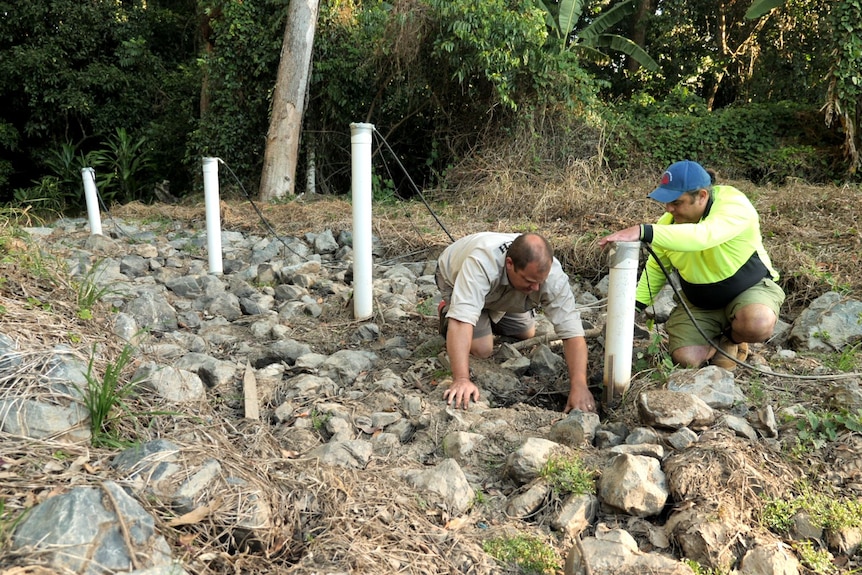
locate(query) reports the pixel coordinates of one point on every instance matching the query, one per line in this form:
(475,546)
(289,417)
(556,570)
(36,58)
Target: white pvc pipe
(360,151)
(619,329)
(211,201)
(92,197)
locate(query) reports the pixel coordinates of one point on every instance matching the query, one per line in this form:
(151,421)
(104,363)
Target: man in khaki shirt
(491,283)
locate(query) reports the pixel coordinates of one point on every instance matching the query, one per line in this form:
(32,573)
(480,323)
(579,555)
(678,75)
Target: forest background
(141,90)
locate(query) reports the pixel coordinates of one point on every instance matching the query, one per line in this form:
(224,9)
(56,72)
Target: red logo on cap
(666,178)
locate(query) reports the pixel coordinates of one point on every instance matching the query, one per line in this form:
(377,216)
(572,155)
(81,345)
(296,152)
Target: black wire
(688,312)
(256,209)
(413,184)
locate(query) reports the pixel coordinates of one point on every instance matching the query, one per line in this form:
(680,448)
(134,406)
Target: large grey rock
(830,323)
(170,382)
(715,386)
(525,463)
(635,484)
(448,483)
(88,530)
(673,409)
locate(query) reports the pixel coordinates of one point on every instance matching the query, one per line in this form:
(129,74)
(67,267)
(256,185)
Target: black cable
(718,348)
(415,187)
(256,209)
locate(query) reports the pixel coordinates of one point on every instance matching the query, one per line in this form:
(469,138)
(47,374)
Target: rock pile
(254,403)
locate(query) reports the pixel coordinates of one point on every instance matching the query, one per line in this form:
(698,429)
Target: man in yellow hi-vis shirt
(710,234)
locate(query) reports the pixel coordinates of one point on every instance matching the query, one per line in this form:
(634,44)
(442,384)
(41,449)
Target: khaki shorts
(681,332)
(511,324)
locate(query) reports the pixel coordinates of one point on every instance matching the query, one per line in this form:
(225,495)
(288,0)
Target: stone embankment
(259,429)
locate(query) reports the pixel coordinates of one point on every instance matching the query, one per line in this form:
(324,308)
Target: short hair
(529,248)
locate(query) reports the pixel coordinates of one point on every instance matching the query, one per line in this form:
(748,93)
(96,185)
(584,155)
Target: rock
(673,409)
(354,426)
(634,484)
(88,530)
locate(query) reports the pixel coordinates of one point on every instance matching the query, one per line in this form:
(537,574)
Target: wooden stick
(249,388)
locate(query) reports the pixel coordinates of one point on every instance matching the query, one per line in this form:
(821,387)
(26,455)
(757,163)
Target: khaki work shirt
(472,278)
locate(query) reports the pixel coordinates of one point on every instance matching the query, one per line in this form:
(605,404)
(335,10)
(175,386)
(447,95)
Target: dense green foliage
(72,73)
(844,101)
(142,89)
(433,77)
(244,41)
(760,142)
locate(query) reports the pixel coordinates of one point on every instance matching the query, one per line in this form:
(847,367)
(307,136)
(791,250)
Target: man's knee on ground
(690,356)
(482,347)
(527,334)
(754,323)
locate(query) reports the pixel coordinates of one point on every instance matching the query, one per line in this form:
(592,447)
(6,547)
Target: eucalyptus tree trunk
(288,101)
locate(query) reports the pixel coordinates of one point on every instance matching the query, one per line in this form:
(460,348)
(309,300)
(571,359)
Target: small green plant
(8,522)
(104,397)
(533,555)
(818,560)
(125,160)
(822,335)
(777,514)
(656,356)
(701,570)
(427,308)
(38,263)
(383,191)
(815,429)
(89,292)
(36,303)
(318,419)
(480,498)
(527,228)
(568,475)
(756,392)
(823,509)
(848,359)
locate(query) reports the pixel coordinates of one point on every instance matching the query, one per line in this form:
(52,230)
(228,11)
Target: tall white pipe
(619,329)
(211,201)
(92,197)
(360,173)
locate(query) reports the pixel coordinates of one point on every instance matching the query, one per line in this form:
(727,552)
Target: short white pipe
(92,197)
(619,329)
(360,151)
(211,202)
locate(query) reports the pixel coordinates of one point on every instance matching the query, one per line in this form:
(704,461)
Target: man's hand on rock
(460,392)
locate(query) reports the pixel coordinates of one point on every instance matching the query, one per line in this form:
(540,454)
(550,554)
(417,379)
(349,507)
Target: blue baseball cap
(681,177)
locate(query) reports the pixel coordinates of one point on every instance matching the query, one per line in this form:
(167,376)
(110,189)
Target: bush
(760,142)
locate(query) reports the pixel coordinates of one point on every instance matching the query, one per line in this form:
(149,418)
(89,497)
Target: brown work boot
(730,349)
(742,351)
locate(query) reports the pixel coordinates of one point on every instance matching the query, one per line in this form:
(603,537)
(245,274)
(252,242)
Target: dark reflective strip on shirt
(717,295)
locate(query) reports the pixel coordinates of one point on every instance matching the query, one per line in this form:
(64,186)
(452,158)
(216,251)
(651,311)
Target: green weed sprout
(533,555)
(102,397)
(824,510)
(818,560)
(89,292)
(569,475)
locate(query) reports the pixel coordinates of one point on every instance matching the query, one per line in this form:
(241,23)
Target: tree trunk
(638,31)
(288,101)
